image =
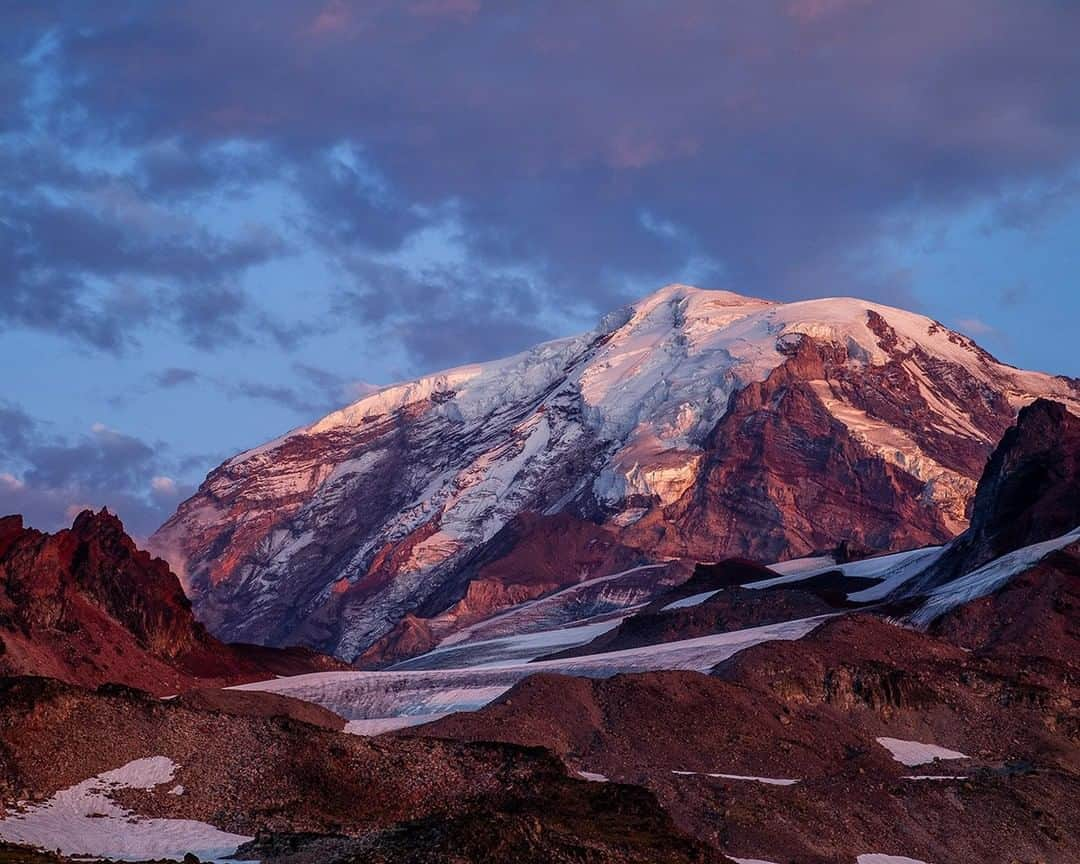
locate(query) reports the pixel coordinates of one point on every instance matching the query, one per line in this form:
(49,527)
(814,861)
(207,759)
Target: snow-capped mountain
(694,423)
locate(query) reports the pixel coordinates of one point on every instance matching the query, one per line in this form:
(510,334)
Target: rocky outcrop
(1028,493)
(253,703)
(86,605)
(1035,615)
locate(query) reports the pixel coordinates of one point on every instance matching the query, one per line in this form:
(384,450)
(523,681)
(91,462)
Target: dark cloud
(174,377)
(460,174)
(775,135)
(445,316)
(350,208)
(317,391)
(763,146)
(313,392)
(93,258)
(287,397)
(332,390)
(49,478)
(16,428)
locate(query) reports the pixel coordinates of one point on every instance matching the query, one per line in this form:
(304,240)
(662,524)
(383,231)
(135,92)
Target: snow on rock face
(330,534)
(85,820)
(988,578)
(692,600)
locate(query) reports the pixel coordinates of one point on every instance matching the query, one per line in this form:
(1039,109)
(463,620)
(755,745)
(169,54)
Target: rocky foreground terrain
(923,706)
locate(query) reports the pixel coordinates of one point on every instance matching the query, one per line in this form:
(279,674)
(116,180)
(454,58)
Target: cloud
(17,428)
(163,486)
(11,483)
(174,377)
(463,178)
(335,390)
(333,18)
(779,146)
(287,397)
(812,10)
(445,315)
(975,326)
(462,10)
(318,391)
(88,256)
(48,478)
(1032,207)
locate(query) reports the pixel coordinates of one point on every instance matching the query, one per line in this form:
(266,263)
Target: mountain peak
(680,290)
(620,426)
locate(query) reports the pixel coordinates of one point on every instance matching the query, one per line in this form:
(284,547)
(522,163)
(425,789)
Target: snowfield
(523,647)
(692,600)
(84,820)
(373,702)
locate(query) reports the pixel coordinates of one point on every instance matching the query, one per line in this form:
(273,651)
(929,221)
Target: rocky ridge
(85,605)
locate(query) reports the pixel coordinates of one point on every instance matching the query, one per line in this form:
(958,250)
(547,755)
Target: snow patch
(84,820)
(771,781)
(593,776)
(917,753)
(878,858)
(692,600)
(892,570)
(819,563)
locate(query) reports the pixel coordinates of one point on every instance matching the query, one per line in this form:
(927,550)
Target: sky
(219,221)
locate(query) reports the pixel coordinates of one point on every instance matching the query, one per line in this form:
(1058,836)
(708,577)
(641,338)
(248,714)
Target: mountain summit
(692,423)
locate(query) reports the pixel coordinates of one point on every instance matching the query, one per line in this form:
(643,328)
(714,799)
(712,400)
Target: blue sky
(219,221)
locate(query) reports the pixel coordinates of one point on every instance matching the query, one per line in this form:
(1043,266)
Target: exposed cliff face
(783,477)
(694,423)
(85,605)
(1029,493)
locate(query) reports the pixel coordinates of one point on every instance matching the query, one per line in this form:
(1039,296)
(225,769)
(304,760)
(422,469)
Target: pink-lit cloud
(462,10)
(334,17)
